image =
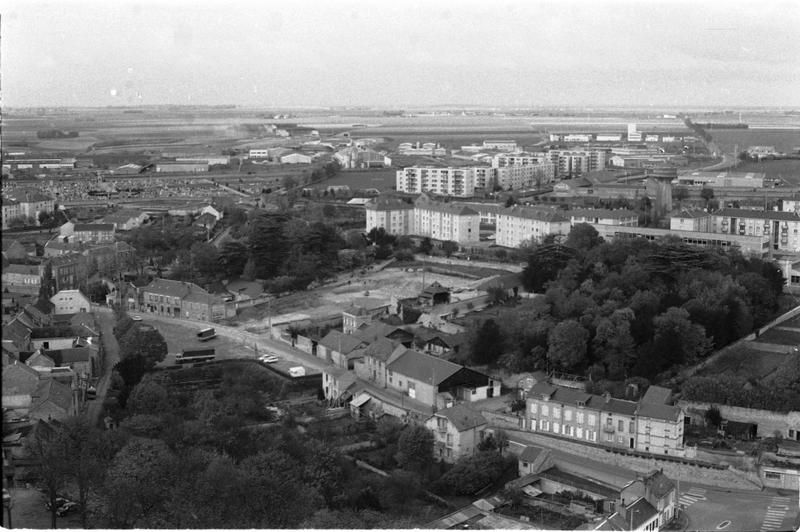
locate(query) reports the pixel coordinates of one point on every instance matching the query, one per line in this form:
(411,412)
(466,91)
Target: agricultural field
(745,362)
(786,169)
(784,140)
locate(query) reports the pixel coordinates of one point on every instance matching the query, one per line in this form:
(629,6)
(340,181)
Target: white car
(136,318)
(268,359)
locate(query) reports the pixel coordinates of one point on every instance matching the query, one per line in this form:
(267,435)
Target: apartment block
(781,228)
(518,224)
(448,181)
(392,215)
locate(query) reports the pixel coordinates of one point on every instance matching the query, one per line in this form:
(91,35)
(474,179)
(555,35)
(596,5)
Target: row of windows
(566,430)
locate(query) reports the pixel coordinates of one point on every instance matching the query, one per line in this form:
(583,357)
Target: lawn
(786,169)
(781,336)
(728,139)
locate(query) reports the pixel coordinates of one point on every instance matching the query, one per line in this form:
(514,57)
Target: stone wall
(684,469)
(503,421)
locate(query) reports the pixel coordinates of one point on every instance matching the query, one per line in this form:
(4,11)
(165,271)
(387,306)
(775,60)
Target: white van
(297,371)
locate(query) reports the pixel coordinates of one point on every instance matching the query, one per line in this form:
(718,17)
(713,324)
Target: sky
(400,53)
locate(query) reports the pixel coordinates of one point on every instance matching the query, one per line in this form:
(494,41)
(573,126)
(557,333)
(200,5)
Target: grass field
(745,362)
(382,179)
(780,336)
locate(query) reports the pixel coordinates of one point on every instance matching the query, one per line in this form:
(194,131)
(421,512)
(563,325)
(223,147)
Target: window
(592,419)
(567,414)
(545,410)
(791,433)
(609,422)
(544,425)
(533,408)
(609,438)
(579,417)
(556,427)
(772,475)
(630,427)
(619,439)
(556,411)
(620,425)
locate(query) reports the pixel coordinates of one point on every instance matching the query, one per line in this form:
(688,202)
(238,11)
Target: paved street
(105,319)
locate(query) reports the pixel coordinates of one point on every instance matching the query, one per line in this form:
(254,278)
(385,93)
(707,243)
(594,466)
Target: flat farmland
(746,362)
(786,169)
(784,140)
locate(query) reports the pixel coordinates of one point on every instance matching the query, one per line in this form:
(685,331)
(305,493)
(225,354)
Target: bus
(189,356)
(207,334)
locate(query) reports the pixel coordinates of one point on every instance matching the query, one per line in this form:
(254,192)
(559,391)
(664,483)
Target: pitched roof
(424,368)
(657,395)
(434,288)
(462,417)
(660,484)
(50,390)
(534,213)
(656,411)
(340,342)
(23,269)
(689,213)
(602,213)
(381,349)
(71,355)
(93,227)
(166,287)
(387,204)
(17,332)
(530,453)
(19,379)
(618,406)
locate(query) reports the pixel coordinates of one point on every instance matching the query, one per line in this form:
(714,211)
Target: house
(295,158)
(183,300)
(40,361)
(363,311)
(438,343)
(66,229)
(110,258)
(378,330)
(208,209)
(18,332)
(534,459)
(372,366)
(340,348)
(69,270)
(457,431)
(575,414)
(436,382)
(58,246)
(126,219)
(658,490)
(338,385)
(39,313)
(53,338)
(22,278)
(14,250)
(127,169)
(19,383)
(84,361)
(52,400)
(97,233)
(70,302)
(206,221)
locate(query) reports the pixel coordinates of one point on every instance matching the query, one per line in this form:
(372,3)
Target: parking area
(29,511)
(180,337)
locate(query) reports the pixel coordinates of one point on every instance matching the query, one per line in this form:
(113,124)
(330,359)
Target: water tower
(659,186)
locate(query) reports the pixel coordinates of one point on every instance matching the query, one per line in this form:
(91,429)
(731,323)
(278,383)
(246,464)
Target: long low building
(755,245)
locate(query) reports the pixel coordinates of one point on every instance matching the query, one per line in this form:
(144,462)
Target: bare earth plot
(180,337)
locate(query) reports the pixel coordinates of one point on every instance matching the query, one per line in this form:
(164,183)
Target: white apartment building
(790,205)
(448,181)
(782,228)
(392,215)
(576,163)
(502,160)
(437,220)
(445,221)
(518,224)
(259,154)
(503,145)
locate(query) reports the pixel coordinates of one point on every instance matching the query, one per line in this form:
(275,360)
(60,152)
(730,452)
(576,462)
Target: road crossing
(692,496)
(776,511)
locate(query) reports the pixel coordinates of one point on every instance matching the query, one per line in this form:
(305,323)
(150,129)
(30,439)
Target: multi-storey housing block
(449,181)
(576,163)
(445,221)
(604,216)
(518,224)
(782,228)
(392,215)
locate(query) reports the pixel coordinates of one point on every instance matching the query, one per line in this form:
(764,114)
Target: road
(710,508)
(105,319)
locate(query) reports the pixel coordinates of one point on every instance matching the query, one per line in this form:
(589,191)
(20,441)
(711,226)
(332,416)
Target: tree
(147,397)
(544,265)
(415,449)
(47,288)
(487,343)
(425,245)
(449,247)
(45,218)
(583,237)
(567,343)
(707,194)
(46,449)
(680,194)
(232,259)
(138,483)
(97,292)
(472,473)
(713,417)
(269,246)
(144,341)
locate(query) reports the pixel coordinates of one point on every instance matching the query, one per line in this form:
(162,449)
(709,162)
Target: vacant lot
(180,337)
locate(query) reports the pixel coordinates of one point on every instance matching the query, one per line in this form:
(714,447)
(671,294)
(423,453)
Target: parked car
(136,317)
(268,359)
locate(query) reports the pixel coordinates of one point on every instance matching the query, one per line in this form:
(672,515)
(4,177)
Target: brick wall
(768,421)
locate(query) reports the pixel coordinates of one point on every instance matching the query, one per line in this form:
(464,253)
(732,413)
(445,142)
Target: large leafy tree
(144,341)
(544,265)
(268,244)
(583,237)
(567,344)
(486,344)
(415,449)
